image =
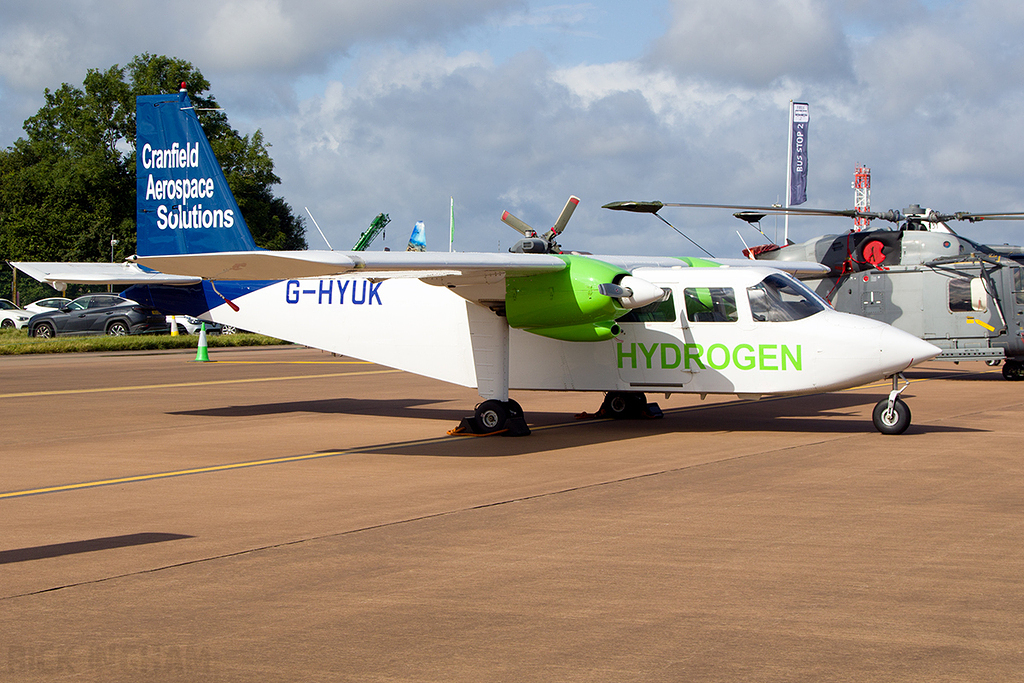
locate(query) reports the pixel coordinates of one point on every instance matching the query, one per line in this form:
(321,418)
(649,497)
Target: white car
(186,324)
(54,303)
(11,316)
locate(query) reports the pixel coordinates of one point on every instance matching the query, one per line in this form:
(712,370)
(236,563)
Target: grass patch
(13,342)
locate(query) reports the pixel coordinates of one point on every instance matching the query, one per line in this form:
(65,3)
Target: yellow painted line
(294,362)
(329,454)
(166,475)
(177,385)
(212,468)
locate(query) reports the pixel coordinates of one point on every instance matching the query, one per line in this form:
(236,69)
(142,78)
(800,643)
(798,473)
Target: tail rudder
(184,204)
(418,238)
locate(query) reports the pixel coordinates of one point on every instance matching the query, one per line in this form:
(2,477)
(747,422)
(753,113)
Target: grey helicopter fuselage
(965,298)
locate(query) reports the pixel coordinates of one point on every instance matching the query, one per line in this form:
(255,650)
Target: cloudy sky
(397,105)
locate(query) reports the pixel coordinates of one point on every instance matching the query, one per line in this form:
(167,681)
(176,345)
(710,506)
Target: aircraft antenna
(318,228)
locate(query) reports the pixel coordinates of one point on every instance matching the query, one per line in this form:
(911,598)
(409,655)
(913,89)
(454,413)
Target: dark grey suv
(98,314)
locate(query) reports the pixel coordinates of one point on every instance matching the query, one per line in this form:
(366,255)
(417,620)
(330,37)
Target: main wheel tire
(491,416)
(118,329)
(43,331)
(1013,370)
(7,324)
(624,405)
(895,421)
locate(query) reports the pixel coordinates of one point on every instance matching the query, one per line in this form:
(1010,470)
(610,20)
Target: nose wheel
(892,415)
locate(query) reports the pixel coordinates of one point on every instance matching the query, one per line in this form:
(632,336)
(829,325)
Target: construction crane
(371,233)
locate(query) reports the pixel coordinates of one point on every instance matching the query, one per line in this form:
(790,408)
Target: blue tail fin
(184,204)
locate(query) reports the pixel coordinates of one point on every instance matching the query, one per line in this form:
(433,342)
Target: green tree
(67,189)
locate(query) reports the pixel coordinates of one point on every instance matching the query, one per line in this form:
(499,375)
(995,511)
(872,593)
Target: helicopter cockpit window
(658,312)
(781,299)
(710,304)
(1018,285)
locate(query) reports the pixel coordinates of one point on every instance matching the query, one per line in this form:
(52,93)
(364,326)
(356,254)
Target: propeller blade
(513,222)
(613,290)
(566,214)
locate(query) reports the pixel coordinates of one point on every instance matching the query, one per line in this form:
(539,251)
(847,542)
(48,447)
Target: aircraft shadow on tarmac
(834,413)
(91,545)
(403,407)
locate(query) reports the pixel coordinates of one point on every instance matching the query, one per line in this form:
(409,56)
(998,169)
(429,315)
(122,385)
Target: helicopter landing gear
(1013,370)
(892,415)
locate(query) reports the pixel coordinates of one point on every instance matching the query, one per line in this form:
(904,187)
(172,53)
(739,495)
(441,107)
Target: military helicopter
(921,276)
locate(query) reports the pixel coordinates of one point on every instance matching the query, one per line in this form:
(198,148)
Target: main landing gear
(494,417)
(892,415)
(628,405)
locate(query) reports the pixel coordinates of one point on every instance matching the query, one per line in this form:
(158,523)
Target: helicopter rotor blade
(975,217)
(654,207)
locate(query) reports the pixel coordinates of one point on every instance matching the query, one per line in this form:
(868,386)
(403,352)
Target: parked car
(98,314)
(11,316)
(186,324)
(45,305)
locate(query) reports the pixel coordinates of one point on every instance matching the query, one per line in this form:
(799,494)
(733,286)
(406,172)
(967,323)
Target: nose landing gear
(892,415)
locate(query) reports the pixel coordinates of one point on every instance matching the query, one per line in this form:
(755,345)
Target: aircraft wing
(56,274)
(798,269)
(187,269)
(287,265)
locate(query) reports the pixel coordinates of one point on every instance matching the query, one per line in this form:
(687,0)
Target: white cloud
(753,42)
(405,124)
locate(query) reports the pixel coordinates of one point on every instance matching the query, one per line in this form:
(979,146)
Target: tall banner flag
(799,117)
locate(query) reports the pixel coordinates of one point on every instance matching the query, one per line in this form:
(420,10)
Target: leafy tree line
(68,187)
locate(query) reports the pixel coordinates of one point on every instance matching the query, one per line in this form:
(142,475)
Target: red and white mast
(861,197)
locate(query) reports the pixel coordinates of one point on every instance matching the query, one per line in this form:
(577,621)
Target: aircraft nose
(900,350)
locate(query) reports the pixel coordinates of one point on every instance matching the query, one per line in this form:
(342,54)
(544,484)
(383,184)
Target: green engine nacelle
(566,304)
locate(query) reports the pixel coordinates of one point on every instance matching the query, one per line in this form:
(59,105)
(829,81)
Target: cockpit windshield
(779,298)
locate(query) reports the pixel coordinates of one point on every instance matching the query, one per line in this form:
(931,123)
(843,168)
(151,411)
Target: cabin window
(960,295)
(710,304)
(778,298)
(658,312)
(1018,285)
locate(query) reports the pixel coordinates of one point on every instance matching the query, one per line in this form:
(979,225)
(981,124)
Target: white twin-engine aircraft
(534,318)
